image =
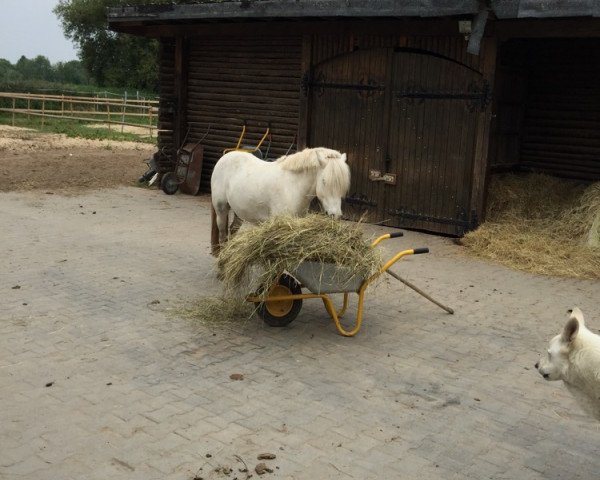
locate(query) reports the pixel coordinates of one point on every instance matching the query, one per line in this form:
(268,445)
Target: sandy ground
(32,160)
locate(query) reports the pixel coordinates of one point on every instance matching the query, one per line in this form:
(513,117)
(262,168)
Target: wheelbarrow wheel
(279,313)
(169,183)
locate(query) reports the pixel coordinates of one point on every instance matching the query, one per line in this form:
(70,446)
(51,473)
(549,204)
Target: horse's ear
(317,158)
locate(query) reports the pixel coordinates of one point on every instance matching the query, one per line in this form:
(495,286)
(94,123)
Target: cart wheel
(279,313)
(169,183)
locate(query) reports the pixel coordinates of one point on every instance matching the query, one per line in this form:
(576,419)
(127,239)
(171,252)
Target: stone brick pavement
(98,380)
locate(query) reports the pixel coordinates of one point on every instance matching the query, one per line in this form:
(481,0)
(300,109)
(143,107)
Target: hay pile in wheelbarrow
(541,224)
(252,260)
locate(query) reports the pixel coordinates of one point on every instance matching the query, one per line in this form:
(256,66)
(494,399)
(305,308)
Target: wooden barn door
(435,107)
(347,108)
(408,120)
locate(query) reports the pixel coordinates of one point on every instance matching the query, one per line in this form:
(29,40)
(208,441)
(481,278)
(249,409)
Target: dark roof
(242,10)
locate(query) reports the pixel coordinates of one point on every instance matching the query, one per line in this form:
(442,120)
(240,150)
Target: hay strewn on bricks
(541,224)
(255,257)
(216,311)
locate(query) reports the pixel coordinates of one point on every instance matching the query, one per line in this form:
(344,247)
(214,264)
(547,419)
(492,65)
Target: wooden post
(13,112)
(43,110)
(180,90)
(123,112)
(28,107)
(108,112)
(62,106)
(304,110)
(150,119)
(482,133)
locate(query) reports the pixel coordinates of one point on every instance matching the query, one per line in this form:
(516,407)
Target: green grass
(73,128)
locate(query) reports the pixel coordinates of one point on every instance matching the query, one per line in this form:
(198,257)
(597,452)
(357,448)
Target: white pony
(256,190)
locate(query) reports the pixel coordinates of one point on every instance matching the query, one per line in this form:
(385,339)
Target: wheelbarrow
(187,173)
(254,150)
(283,302)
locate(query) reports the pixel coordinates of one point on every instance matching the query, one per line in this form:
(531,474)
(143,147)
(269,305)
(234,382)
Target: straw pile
(541,224)
(215,311)
(255,257)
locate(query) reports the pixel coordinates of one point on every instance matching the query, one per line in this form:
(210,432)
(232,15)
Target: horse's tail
(214,232)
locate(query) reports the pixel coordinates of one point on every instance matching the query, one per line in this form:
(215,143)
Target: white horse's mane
(334,173)
(307,159)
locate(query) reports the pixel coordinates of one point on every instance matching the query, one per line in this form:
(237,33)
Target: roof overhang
(144,19)
(253,10)
(299,9)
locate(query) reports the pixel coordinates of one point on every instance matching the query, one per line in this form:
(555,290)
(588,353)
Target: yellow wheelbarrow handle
(399,255)
(385,237)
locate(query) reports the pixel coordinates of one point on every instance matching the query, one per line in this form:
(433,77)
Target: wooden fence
(113,112)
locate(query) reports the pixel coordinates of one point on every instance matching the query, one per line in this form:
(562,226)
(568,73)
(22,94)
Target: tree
(111,59)
(8,73)
(70,72)
(38,68)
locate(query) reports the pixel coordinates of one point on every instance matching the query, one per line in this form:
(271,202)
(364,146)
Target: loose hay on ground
(541,224)
(217,311)
(256,257)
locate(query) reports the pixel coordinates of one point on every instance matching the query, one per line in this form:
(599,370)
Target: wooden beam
(180,90)
(482,134)
(545,28)
(406,27)
(304,108)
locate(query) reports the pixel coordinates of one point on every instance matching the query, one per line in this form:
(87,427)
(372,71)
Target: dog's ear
(344,158)
(570,331)
(578,314)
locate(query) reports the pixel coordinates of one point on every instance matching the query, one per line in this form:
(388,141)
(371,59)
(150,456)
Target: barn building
(427,98)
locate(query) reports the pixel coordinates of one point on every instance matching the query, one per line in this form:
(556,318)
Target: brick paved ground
(98,380)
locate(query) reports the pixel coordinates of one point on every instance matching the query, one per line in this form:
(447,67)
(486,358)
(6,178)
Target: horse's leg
(219,220)
(235,225)
(222,211)
(214,232)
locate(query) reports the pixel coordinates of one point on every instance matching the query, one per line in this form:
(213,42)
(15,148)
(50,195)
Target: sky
(28,27)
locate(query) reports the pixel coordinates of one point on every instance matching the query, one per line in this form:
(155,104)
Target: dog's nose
(546,376)
(537,365)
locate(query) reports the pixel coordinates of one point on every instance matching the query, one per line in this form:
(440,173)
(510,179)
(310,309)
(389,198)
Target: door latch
(387,178)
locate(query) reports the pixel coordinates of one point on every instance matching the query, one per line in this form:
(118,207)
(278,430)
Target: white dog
(574,358)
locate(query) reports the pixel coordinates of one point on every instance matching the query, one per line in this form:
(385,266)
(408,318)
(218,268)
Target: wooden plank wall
(561,133)
(235,79)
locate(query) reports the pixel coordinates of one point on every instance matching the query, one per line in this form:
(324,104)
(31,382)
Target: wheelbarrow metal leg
(336,317)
